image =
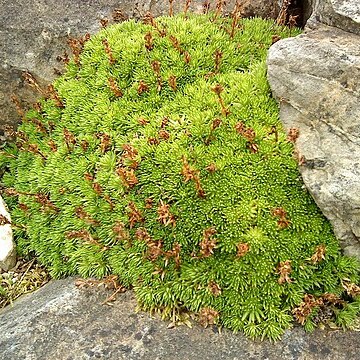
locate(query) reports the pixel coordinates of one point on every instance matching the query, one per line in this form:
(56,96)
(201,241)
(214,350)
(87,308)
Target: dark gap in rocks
(301,9)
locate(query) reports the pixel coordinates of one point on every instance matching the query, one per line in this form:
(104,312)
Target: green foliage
(188,190)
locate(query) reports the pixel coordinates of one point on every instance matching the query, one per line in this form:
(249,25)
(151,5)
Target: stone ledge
(60,321)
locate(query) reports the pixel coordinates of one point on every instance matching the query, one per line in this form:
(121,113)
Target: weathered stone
(316,77)
(7,246)
(60,321)
(34,34)
(343,14)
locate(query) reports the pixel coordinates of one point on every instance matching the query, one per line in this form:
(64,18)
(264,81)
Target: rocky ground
(61,321)
(24,278)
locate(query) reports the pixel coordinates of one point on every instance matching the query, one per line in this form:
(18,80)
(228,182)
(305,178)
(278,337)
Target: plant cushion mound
(159,157)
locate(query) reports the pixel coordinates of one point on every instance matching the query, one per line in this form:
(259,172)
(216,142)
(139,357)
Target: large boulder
(60,321)
(316,78)
(34,34)
(343,14)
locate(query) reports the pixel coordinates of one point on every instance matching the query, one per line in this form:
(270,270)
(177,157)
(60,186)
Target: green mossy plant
(159,157)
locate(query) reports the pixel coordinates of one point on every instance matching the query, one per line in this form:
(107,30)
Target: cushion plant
(158,156)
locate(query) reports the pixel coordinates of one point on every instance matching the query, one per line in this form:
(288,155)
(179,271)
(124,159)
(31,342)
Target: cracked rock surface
(316,78)
(60,321)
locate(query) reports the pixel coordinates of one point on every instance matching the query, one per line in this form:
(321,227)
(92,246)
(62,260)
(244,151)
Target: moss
(160,158)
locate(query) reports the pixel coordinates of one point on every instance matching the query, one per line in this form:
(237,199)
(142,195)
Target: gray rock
(7,245)
(316,77)
(343,14)
(34,33)
(60,321)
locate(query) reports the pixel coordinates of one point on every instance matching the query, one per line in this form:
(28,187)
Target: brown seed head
(211,168)
(176,44)
(164,122)
(275,38)
(163,134)
(149,41)
(188,172)
(23,207)
(319,254)
(240,127)
(118,16)
(301,160)
(156,67)
(187,57)
(153,141)
(351,289)
(143,121)
(293,135)
(218,55)
(154,249)
(40,127)
(88,177)
(174,253)
(127,176)
(208,316)
(214,288)
(142,87)
(129,152)
(206,6)
(187,6)
(55,96)
(302,312)
(108,51)
(52,145)
(104,23)
(31,81)
(11,192)
(171,10)
(218,89)
(84,145)
(208,243)
(292,21)
(4,220)
(249,134)
(69,138)
(134,215)
(148,19)
(142,234)
(284,270)
(115,88)
(279,212)
(164,215)
(83,215)
(172,82)
(215,124)
(149,203)
(242,249)
(97,188)
(105,142)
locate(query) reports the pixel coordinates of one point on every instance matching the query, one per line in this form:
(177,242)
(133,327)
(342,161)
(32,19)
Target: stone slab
(60,321)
